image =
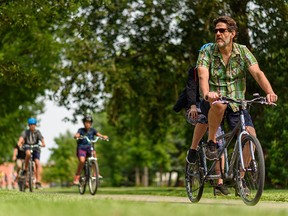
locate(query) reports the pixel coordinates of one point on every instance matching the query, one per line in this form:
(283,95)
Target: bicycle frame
(246,173)
(91,170)
(31,163)
(227,138)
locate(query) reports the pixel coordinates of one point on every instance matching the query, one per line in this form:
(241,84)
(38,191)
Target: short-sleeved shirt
(91,133)
(228,80)
(30,137)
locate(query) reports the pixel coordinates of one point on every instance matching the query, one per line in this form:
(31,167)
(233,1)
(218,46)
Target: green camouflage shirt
(228,80)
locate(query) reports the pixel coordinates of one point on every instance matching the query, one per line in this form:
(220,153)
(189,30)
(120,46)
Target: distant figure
(83,146)
(18,157)
(31,137)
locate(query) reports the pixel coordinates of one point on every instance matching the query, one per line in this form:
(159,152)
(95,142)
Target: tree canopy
(130,60)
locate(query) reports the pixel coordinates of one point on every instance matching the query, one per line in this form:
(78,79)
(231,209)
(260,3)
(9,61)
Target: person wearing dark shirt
(18,157)
(83,146)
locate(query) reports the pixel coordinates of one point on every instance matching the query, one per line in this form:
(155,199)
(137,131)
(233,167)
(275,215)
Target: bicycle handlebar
(257,99)
(92,141)
(32,146)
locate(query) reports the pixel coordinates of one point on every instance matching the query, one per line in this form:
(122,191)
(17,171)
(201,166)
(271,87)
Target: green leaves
(129,59)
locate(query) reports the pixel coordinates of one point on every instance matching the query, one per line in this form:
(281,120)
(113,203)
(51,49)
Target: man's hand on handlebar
(212,96)
(271,98)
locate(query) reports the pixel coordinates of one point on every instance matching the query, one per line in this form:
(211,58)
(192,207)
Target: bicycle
(30,172)
(90,172)
(19,176)
(244,172)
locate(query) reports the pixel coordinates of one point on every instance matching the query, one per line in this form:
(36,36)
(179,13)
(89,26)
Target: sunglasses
(221,30)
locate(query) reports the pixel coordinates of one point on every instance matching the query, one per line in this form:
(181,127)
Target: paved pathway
(173,199)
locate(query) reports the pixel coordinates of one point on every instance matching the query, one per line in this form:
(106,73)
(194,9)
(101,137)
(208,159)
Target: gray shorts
(202,119)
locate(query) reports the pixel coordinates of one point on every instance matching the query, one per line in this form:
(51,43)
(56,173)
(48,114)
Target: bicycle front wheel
(193,180)
(30,175)
(250,182)
(82,181)
(93,177)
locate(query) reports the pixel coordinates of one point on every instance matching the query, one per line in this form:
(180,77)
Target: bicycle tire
(250,187)
(193,179)
(21,182)
(82,181)
(93,177)
(30,175)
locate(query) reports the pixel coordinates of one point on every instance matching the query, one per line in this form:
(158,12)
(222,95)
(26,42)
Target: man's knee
(216,112)
(28,154)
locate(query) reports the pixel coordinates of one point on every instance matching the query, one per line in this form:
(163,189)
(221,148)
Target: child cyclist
(83,146)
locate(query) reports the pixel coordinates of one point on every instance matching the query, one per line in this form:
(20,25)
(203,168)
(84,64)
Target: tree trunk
(137,176)
(169,179)
(145,177)
(161,177)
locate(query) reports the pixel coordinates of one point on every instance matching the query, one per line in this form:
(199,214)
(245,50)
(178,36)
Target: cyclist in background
(83,146)
(32,136)
(18,157)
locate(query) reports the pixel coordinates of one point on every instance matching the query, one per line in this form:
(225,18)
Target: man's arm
(15,152)
(20,141)
(203,74)
(102,136)
(263,82)
(77,135)
(43,143)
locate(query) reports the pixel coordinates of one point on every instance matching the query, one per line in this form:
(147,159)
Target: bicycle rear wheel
(93,177)
(30,176)
(193,180)
(250,183)
(82,181)
(21,181)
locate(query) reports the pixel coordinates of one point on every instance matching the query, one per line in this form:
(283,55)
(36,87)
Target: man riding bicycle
(32,136)
(222,71)
(83,146)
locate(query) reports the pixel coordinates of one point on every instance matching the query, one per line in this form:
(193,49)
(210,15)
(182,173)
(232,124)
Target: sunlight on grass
(67,202)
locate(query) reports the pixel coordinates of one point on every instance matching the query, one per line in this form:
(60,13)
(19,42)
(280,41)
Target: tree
(63,162)
(29,52)
(135,63)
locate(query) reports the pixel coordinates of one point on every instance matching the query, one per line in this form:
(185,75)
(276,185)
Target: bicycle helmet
(205,45)
(32,121)
(87,118)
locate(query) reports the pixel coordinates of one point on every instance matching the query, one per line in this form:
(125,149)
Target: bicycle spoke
(94,177)
(194,186)
(251,182)
(82,182)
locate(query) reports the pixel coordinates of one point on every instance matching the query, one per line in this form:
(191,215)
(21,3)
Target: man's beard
(222,43)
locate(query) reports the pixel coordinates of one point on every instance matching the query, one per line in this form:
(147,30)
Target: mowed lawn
(67,202)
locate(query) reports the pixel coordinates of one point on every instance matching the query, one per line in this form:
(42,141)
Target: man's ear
(233,34)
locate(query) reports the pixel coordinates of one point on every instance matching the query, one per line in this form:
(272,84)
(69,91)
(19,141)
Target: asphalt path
(203,201)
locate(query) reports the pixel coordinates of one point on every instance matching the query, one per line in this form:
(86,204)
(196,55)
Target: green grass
(67,202)
(268,195)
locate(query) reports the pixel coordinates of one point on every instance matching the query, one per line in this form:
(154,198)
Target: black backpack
(181,102)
